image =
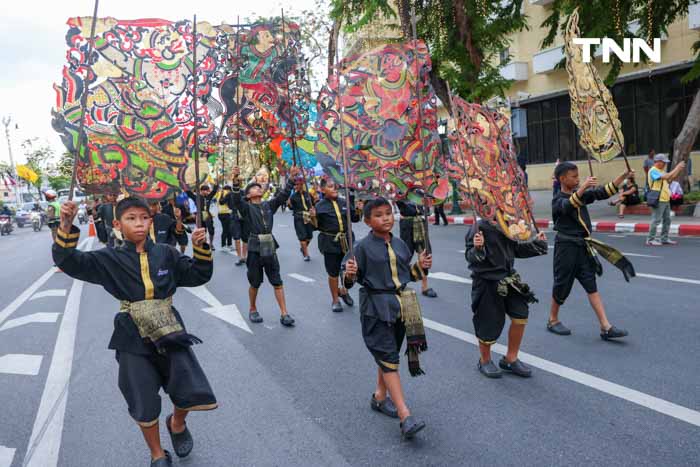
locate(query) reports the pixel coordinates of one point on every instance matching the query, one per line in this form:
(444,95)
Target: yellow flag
(592,107)
(26,173)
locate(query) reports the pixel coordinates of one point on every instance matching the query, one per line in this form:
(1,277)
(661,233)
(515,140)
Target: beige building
(652,101)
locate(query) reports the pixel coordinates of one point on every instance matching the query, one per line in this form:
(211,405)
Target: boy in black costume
(575,252)
(303,211)
(166,229)
(497,291)
(207,195)
(262,246)
(151,343)
(413,230)
(388,311)
(331,216)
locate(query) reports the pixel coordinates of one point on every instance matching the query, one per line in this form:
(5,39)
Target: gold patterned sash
(154,318)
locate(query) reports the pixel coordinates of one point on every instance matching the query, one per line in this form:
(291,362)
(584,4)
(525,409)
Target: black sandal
(255,317)
(182,442)
(166,461)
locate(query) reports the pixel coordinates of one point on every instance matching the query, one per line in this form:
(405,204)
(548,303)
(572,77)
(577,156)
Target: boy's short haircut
(374,204)
(204,187)
(251,185)
(128,203)
(227,187)
(563,168)
(325,181)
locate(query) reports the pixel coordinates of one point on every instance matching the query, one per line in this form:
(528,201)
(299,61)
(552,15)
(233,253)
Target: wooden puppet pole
(419,131)
(462,149)
(610,120)
(83,104)
(346,181)
(238,94)
(292,126)
(198,217)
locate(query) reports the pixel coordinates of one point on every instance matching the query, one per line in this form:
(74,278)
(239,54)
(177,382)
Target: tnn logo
(629,52)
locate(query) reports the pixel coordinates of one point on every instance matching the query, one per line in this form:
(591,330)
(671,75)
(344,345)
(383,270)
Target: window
(504,56)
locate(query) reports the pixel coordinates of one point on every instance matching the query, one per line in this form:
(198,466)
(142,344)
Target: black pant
(440,214)
(226,232)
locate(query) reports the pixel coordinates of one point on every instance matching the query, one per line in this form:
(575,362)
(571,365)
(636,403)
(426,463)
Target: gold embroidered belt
(154,319)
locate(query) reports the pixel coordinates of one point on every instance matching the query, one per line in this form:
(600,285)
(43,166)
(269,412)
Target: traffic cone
(91,228)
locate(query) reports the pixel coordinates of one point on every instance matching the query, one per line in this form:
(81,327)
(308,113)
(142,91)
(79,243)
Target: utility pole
(6,121)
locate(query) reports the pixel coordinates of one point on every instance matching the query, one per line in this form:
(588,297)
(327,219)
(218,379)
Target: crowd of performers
(144,262)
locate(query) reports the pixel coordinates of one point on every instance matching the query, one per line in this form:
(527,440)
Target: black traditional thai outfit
(262,245)
(106,213)
(164,230)
(169,210)
(225,217)
(236,223)
(333,238)
(386,306)
(573,258)
(207,219)
(412,226)
(302,203)
(150,340)
(497,290)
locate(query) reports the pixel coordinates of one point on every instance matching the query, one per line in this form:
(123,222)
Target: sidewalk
(603,218)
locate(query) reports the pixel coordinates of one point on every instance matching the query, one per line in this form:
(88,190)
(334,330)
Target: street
(300,396)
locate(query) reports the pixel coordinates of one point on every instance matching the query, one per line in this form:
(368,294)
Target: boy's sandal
(386,407)
(558,328)
(613,333)
(166,461)
(410,427)
(429,292)
(517,367)
(347,299)
(182,442)
(255,317)
(287,320)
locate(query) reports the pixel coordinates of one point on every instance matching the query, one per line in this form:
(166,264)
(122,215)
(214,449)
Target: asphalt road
(300,397)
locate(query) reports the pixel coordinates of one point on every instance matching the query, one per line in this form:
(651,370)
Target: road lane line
(299,277)
(41,317)
(669,278)
(45,441)
(446,276)
(645,400)
(49,293)
(29,291)
(20,364)
(6,456)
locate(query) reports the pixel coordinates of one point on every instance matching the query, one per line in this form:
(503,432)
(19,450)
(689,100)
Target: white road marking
(617,236)
(446,276)
(669,278)
(299,277)
(228,313)
(20,364)
(645,400)
(33,318)
(29,291)
(49,293)
(6,456)
(45,441)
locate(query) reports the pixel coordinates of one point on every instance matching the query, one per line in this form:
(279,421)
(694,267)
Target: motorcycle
(5,224)
(37,221)
(82,216)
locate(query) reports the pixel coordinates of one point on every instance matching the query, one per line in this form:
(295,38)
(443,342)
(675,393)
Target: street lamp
(445,147)
(6,121)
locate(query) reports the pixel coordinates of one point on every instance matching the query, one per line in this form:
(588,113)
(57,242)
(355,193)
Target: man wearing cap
(658,180)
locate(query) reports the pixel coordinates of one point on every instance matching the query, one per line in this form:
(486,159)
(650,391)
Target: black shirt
(299,206)
(327,214)
(570,214)
(106,213)
(384,269)
(495,261)
(164,230)
(409,209)
(259,218)
(128,275)
(206,201)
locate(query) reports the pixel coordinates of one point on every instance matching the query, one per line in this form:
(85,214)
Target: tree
(58,182)
(611,18)
(38,157)
(465,38)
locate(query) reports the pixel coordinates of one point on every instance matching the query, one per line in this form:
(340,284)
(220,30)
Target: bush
(692,197)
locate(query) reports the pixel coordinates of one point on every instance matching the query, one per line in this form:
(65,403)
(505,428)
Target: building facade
(652,101)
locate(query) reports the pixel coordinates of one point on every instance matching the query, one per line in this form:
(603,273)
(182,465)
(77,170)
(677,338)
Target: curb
(603,226)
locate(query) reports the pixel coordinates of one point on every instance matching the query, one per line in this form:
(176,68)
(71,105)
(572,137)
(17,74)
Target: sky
(33,52)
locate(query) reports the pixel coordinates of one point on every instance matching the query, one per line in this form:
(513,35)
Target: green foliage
(59,182)
(611,18)
(465,37)
(38,157)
